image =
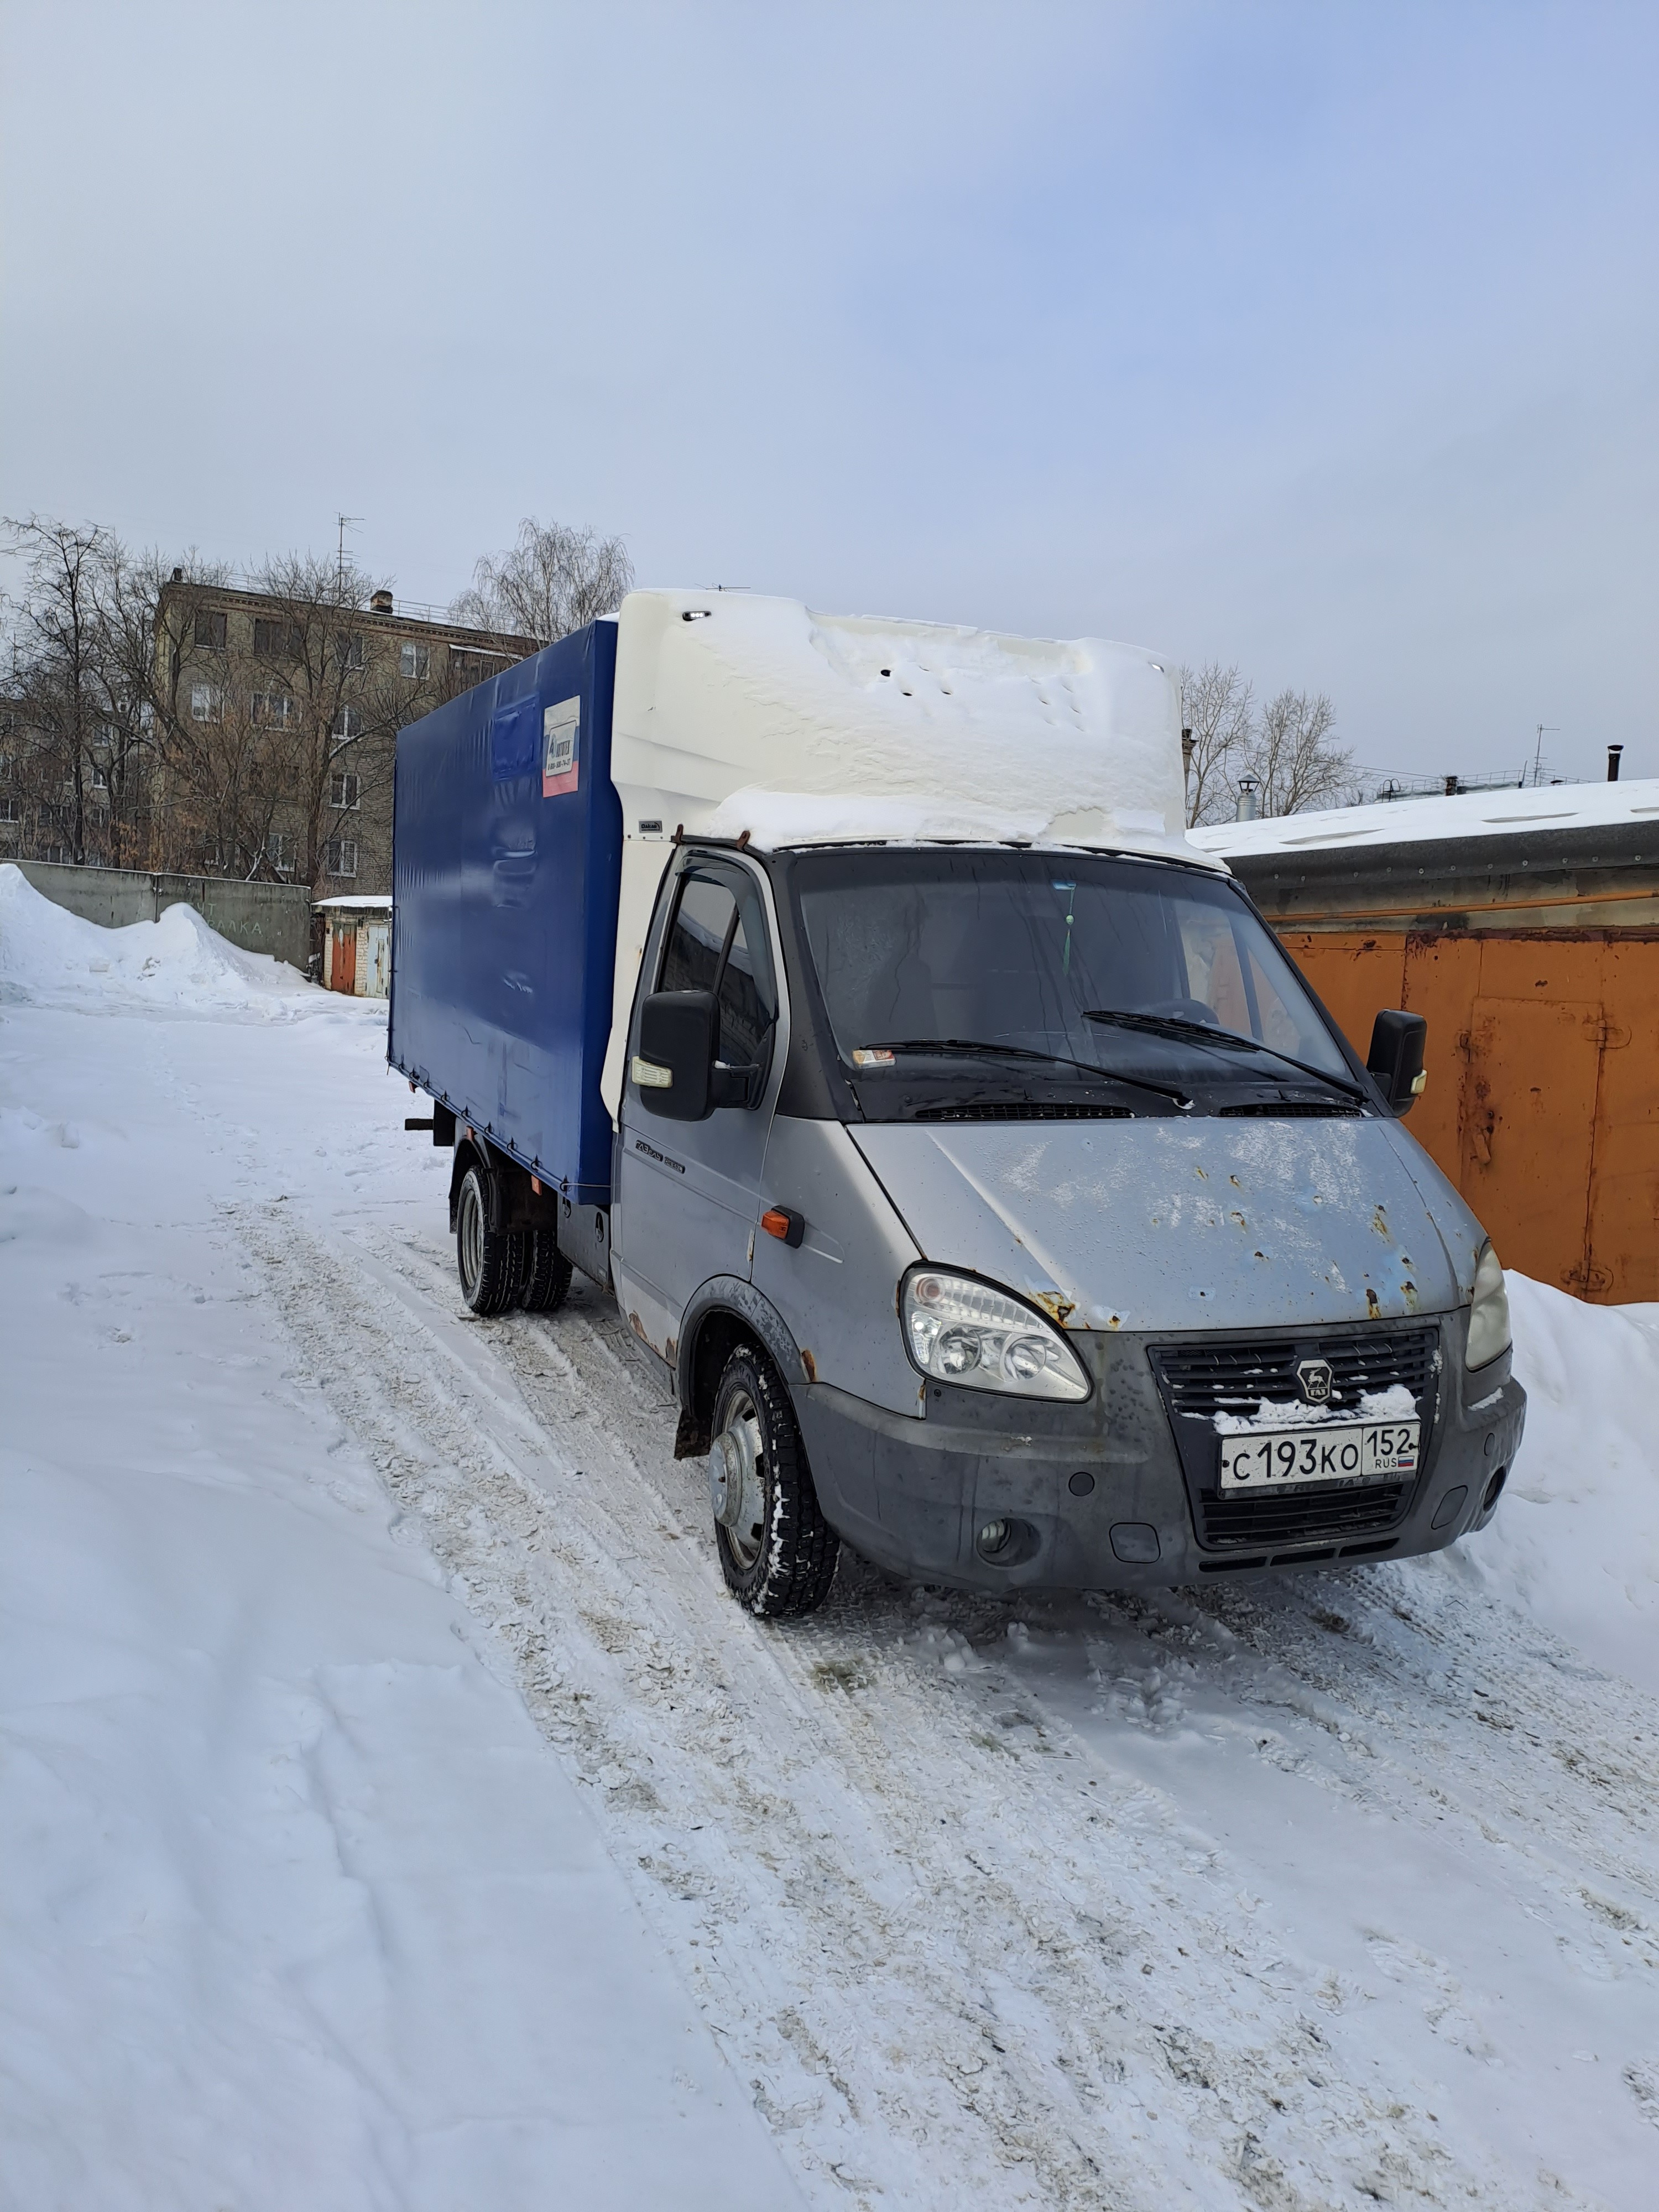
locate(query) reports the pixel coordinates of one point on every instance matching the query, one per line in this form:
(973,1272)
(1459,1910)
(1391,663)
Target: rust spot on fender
(1380,1224)
(670,1350)
(1408,1291)
(1057,1307)
(809,1363)
(634,1323)
(1371,1306)
(1203,1174)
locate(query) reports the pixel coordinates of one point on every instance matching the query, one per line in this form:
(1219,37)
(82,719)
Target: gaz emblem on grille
(1314,1380)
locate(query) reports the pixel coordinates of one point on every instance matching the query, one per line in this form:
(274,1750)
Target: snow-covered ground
(396,1811)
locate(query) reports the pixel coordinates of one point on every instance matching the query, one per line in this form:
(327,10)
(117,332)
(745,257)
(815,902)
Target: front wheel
(488,1260)
(777,1551)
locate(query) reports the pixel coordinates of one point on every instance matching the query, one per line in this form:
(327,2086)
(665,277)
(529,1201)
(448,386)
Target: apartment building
(277,715)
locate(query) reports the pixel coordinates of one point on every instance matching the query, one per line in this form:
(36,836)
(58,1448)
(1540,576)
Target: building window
(100,777)
(414,661)
(342,856)
(275,710)
(8,811)
(279,851)
(342,791)
(277,640)
(210,631)
(347,724)
(56,854)
(207,703)
(349,648)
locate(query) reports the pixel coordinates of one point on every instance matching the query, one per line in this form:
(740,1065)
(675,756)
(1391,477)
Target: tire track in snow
(956,1959)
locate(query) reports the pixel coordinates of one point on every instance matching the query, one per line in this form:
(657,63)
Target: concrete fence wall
(272,918)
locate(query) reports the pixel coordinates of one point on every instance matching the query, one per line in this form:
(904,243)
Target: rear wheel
(546,1275)
(489,1260)
(777,1551)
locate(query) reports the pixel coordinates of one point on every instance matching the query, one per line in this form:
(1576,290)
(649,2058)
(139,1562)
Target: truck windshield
(1136,969)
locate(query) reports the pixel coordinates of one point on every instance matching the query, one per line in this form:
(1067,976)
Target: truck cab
(1086,1251)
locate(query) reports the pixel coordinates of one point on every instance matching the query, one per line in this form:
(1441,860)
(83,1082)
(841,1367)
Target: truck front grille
(1232,1375)
(1307,1518)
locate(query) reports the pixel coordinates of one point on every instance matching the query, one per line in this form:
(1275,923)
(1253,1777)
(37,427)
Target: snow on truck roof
(736,711)
(1418,821)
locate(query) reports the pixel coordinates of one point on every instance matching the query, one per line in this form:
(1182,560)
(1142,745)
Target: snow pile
(723,700)
(50,958)
(1576,1540)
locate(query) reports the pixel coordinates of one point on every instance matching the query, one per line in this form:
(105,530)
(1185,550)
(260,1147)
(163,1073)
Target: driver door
(690,1193)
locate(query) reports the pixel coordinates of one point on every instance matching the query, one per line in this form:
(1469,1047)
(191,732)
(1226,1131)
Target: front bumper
(1101,1496)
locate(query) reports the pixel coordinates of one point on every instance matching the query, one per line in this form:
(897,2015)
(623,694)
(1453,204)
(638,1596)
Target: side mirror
(1395,1059)
(675,1070)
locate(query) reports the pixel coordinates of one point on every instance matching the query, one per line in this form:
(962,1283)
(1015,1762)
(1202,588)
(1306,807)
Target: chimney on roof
(1451,787)
(1247,810)
(1613,753)
(380,602)
(178,575)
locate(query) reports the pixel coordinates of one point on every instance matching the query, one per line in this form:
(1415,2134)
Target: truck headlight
(1489,1312)
(960,1331)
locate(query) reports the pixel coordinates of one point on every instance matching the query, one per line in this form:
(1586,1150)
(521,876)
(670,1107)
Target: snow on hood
(50,958)
(735,713)
(1167,1224)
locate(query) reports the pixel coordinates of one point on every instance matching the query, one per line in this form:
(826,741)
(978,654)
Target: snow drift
(1576,1540)
(50,958)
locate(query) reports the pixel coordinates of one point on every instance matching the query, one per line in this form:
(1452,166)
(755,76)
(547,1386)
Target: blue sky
(1323,338)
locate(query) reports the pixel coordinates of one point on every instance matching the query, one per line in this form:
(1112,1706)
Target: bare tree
(1217,706)
(1292,754)
(56,689)
(550,582)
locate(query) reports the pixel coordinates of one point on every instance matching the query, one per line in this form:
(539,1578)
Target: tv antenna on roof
(346,522)
(1544,730)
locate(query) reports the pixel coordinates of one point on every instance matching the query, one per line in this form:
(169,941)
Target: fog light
(1494,1490)
(993,1538)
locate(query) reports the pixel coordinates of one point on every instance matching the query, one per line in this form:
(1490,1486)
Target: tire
(490,1261)
(785,1560)
(546,1275)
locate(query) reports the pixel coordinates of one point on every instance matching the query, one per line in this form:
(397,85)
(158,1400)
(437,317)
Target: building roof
(404,617)
(1546,808)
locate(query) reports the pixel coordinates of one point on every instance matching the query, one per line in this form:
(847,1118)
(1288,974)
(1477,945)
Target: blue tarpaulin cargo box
(506,863)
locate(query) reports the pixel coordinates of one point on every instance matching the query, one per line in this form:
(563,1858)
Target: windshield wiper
(1028,1052)
(1177,1025)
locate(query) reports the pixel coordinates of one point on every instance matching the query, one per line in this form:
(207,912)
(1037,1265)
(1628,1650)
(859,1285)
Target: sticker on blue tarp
(560,727)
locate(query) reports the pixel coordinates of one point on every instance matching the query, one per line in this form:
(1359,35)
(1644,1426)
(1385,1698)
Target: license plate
(1357,1451)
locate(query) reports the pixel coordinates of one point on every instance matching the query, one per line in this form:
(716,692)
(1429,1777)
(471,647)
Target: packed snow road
(1337,1890)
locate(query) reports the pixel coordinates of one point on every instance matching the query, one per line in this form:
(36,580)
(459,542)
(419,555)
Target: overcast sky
(1321,339)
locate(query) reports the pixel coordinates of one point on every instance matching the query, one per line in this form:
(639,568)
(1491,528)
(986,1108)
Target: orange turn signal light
(783,1223)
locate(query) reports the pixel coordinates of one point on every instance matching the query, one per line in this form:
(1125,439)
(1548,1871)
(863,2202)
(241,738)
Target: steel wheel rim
(742,1412)
(471,1239)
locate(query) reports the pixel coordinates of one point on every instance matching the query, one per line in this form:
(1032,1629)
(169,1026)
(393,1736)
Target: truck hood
(1175,1225)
